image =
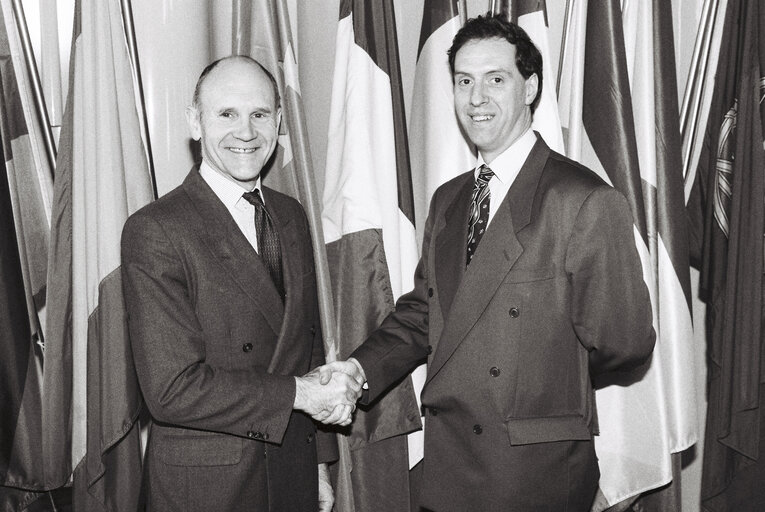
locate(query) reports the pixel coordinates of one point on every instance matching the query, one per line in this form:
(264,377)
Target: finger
(339,415)
(325,375)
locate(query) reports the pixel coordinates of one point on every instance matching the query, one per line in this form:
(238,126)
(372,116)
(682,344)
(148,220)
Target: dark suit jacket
(553,295)
(215,351)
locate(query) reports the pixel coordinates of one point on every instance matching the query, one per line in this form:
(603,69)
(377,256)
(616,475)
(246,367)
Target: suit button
(251,434)
(514,312)
(430,349)
(494,372)
(309,438)
(477,429)
(433,411)
(264,436)
(430,292)
(313,329)
(247,347)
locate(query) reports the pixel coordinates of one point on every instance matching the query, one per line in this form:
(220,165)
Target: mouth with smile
(479,118)
(242,151)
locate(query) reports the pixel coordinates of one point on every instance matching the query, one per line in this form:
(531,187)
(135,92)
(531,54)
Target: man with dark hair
(218,277)
(528,286)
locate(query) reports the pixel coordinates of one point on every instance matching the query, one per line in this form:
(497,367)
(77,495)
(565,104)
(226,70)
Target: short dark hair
(491,26)
(245,58)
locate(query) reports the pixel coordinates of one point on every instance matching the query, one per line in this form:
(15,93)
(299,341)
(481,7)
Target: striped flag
(368,219)
(102,176)
(622,123)
(439,151)
(25,200)
(531,16)
(727,225)
(262,30)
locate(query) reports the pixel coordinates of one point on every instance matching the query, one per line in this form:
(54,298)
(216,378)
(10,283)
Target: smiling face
(237,119)
(491,97)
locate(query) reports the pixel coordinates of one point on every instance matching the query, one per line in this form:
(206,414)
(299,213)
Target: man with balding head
(222,308)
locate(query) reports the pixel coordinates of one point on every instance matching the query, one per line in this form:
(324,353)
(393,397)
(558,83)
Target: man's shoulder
(563,166)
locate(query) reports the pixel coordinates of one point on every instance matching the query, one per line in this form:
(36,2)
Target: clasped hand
(329,393)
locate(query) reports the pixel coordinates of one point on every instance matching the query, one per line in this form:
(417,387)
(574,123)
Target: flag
(726,213)
(439,151)
(262,30)
(102,176)
(531,16)
(25,196)
(368,219)
(620,117)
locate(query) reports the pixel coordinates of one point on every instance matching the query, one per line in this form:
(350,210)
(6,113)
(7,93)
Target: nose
(245,131)
(477,96)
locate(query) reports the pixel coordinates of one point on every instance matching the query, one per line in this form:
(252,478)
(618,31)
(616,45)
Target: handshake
(329,393)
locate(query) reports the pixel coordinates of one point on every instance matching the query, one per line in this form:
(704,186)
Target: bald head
(225,64)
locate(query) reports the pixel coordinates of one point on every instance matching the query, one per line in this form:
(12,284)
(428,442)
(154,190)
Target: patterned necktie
(268,240)
(479,211)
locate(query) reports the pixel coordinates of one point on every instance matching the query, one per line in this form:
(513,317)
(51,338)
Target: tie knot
(253,197)
(484,175)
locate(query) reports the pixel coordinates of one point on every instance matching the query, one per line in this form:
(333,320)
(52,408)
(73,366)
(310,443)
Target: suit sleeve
(611,307)
(399,345)
(168,345)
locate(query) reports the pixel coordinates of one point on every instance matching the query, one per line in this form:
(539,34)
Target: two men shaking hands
(329,393)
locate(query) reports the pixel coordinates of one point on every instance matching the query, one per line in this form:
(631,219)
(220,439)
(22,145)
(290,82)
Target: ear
(193,118)
(532,86)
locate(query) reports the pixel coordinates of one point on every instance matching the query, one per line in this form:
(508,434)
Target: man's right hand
(328,400)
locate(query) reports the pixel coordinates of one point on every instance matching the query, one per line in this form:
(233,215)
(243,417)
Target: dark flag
(368,219)
(726,216)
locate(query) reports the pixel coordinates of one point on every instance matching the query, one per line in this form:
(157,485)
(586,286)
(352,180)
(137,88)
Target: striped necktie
(479,211)
(268,240)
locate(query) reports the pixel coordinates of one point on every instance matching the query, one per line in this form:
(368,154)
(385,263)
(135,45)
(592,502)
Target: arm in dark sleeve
(611,307)
(399,345)
(168,344)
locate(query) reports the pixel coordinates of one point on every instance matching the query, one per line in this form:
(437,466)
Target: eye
(496,80)
(226,114)
(464,81)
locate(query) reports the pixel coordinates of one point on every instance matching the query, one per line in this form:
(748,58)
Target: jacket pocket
(199,450)
(547,429)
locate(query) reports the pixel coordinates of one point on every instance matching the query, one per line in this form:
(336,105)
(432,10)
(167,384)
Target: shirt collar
(508,163)
(226,190)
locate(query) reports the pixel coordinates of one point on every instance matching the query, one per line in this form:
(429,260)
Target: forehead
(237,83)
(482,55)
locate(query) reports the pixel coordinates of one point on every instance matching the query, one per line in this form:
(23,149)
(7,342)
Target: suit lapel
(232,250)
(497,253)
(283,360)
(451,244)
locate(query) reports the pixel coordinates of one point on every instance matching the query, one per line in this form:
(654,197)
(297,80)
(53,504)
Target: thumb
(325,375)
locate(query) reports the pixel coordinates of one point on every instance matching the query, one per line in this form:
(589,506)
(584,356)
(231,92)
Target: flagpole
(462,10)
(37,90)
(694,88)
(127,21)
(242,13)
(563,47)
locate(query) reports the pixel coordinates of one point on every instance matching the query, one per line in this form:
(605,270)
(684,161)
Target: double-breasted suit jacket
(554,294)
(216,350)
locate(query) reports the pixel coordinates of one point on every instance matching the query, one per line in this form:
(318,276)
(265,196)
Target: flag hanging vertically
(368,219)
(262,30)
(727,226)
(439,150)
(531,16)
(623,125)
(102,176)
(25,197)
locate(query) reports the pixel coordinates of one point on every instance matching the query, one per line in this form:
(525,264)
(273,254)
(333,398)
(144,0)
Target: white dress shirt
(506,167)
(230,193)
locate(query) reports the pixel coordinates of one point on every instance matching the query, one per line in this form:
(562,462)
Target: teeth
(481,118)
(242,150)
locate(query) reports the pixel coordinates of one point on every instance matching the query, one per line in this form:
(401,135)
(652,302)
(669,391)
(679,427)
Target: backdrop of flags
(368,220)
(25,200)
(727,225)
(439,150)
(620,113)
(102,176)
